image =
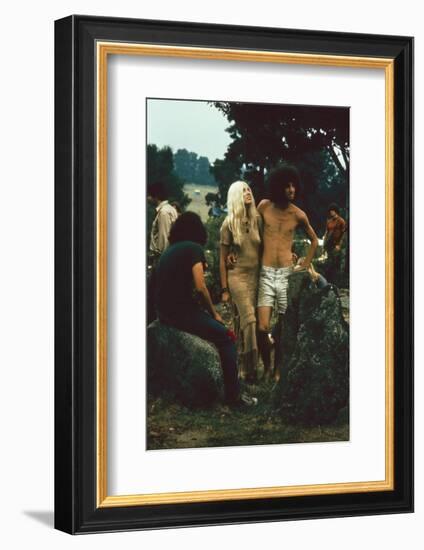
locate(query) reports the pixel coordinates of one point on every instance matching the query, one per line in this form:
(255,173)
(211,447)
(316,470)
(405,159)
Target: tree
(186,165)
(193,169)
(225,172)
(160,167)
(321,184)
(203,172)
(315,139)
(264,134)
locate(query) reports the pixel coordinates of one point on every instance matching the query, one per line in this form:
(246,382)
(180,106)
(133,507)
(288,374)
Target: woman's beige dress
(243,286)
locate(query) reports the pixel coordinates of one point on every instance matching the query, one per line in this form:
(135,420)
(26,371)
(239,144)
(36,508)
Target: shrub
(213,225)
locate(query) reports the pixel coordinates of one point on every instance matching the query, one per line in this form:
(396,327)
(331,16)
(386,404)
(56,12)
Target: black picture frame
(76,509)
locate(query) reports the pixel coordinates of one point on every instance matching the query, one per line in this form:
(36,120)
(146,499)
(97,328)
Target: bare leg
(278,347)
(264,318)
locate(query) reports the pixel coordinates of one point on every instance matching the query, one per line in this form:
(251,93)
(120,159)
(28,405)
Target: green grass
(171,426)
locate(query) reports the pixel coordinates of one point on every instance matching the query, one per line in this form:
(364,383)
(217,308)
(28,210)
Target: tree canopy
(160,167)
(193,168)
(315,139)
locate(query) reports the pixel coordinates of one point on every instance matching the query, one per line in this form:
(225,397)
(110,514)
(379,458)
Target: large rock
(314,354)
(183,367)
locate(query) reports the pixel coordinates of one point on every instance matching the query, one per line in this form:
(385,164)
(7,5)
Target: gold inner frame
(104,49)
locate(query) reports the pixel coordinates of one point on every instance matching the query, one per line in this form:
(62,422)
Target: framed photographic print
(233,266)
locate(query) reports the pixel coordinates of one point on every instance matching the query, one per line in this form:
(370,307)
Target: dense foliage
(160,167)
(315,139)
(213,225)
(192,168)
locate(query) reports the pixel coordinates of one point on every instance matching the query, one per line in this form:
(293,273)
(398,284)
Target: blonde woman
(241,236)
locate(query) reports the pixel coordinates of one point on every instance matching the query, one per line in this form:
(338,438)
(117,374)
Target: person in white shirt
(166,215)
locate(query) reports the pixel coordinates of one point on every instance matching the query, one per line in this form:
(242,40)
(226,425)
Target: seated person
(180,272)
(317,278)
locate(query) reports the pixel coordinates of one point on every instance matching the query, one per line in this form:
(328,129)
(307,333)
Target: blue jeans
(201,324)
(321,282)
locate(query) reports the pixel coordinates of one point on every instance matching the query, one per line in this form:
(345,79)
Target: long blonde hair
(239,213)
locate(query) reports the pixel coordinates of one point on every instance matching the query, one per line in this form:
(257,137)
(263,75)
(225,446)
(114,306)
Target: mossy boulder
(182,367)
(313,354)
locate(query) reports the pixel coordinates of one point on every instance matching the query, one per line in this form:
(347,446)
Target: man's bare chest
(280,224)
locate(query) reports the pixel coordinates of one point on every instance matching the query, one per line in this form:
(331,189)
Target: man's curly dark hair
(279,179)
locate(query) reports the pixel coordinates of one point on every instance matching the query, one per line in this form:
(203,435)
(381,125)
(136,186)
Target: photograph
(210,308)
(247,270)
(233,289)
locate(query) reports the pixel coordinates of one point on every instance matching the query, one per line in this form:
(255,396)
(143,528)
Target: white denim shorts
(273,283)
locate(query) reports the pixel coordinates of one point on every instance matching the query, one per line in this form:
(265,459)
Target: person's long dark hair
(188,227)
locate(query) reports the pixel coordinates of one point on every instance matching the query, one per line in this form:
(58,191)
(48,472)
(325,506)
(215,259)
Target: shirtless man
(281,218)
(333,239)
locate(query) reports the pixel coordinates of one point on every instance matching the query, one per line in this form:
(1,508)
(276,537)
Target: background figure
(159,238)
(166,214)
(177,207)
(333,239)
(319,280)
(240,235)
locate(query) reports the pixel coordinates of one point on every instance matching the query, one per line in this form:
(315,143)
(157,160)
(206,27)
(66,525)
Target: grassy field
(171,426)
(198,203)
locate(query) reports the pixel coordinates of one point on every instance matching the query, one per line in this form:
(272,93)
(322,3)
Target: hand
(226,297)
(218,318)
(301,267)
(337,247)
(231,260)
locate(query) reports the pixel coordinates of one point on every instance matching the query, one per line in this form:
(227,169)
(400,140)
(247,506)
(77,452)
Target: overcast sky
(193,125)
